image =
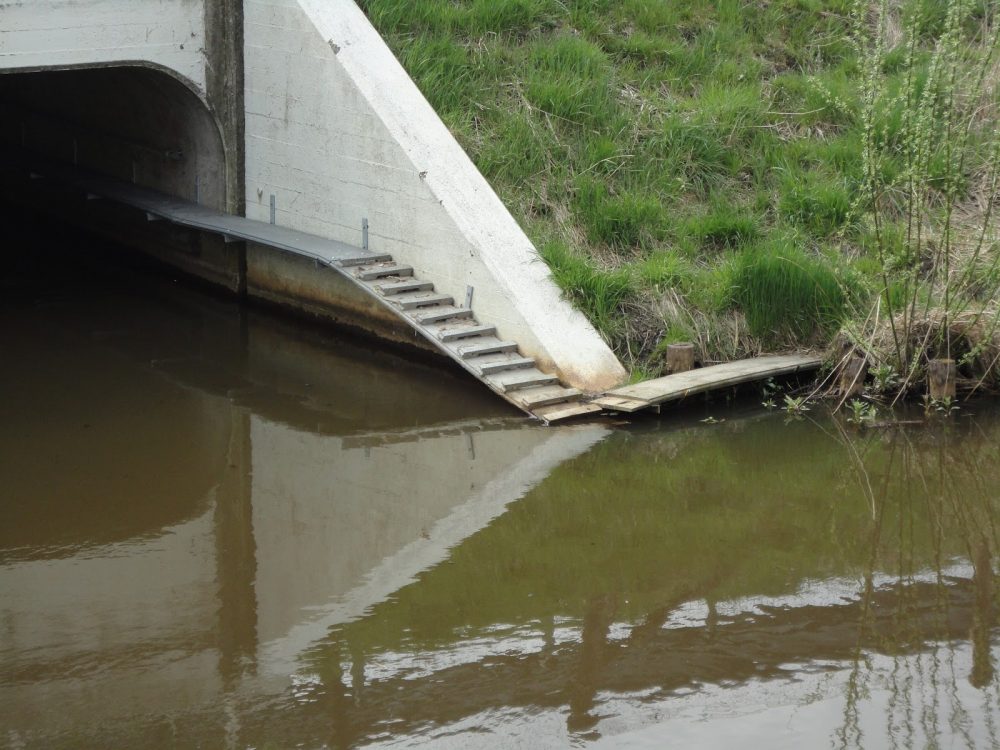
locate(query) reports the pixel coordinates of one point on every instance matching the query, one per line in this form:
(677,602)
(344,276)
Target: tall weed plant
(929,106)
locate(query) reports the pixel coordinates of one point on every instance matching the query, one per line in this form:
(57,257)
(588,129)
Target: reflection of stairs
(474,345)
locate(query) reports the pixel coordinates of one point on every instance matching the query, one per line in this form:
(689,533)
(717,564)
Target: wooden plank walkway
(631,398)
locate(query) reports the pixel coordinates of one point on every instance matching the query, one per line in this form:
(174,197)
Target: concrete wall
(333,127)
(47,34)
(199,43)
(293,281)
(337,131)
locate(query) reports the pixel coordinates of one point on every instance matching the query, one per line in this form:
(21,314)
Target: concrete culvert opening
(136,124)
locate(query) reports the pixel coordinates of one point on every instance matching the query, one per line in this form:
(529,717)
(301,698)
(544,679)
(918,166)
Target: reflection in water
(944,476)
(217,530)
(662,565)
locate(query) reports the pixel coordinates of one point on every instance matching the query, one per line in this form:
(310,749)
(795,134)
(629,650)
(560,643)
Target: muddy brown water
(223,530)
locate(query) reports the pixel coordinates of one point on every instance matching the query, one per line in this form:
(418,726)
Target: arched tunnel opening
(136,124)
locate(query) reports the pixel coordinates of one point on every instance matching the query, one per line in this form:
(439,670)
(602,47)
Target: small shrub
(602,155)
(724,227)
(570,98)
(664,269)
(570,78)
(734,111)
(795,405)
(654,17)
(514,151)
(505,16)
(782,290)
(442,70)
(694,152)
(642,49)
(861,412)
(405,17)
(565,54)
(927,17)
(827,101)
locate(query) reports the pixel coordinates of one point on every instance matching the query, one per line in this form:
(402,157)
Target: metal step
(380,272)
(457,332)
(421,299)
(398,287)
(515,380)
(489,345)
(535,398)
(445,313)
(364,260)
(493,363)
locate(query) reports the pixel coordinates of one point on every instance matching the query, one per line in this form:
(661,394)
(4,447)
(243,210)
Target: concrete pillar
(224,91)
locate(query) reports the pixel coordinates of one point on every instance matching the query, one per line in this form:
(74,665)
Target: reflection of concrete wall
(326,515)
(172,619)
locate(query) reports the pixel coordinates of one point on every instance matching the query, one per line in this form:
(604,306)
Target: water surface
(221,529)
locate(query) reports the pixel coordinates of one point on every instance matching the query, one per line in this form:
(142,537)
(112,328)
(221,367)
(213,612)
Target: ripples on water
(222,530)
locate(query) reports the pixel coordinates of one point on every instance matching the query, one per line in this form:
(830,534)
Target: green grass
(601,294)
(783,290)
(628,221)
(652,146)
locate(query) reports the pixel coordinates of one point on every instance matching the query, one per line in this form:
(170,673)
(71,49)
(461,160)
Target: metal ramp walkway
(452,329)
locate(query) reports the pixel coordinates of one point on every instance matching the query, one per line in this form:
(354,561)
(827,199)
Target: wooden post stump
(680,357)
(941,379)
(852,379)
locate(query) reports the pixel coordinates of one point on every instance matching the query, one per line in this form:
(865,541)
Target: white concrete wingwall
(337,132)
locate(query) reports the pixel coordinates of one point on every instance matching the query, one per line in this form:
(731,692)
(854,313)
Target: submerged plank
(561,412)
(679,385)
(617,403)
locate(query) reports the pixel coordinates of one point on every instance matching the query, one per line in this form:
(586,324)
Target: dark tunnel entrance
(132,123)
(137,125)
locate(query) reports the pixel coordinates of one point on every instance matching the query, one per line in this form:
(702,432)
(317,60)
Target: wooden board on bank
(632,398)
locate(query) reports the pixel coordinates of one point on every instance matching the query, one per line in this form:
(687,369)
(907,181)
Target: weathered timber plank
(679,385)
(616,403)
(560,412)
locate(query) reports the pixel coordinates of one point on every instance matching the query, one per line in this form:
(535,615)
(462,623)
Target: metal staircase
(457,333)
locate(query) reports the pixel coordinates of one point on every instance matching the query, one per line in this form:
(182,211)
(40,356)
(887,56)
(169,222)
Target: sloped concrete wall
(338,132)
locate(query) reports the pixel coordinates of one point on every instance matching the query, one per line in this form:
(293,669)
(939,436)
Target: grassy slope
(687,167)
